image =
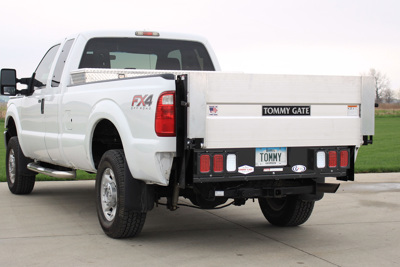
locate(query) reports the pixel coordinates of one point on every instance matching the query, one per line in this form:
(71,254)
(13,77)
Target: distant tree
(382,85)
(388,95)
(397,95)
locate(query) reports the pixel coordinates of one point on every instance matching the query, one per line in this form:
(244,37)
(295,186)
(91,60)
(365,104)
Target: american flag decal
(213,110)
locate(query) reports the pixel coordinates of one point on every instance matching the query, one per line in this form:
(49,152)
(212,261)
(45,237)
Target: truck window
(140,53)
(123,60)
(43,69)
(55,81)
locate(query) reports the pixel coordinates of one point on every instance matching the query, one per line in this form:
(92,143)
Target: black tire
(20,180)
(114,218)
(288,211)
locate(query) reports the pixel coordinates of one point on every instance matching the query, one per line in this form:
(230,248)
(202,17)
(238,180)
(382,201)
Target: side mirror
(8,82)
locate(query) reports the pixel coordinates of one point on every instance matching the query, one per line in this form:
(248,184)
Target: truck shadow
(205,229)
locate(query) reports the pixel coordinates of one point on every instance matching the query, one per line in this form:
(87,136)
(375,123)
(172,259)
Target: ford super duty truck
(152,114)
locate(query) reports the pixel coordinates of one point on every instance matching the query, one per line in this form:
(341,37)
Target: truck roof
(136,34)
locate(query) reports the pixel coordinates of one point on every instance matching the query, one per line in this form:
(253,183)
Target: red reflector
(218,163)
(165,115)
(332,159)
(344,158)
(205,163)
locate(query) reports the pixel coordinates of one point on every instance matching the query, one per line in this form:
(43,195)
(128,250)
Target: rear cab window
(151,54)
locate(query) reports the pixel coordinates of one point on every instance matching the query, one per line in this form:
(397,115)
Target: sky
(317,37)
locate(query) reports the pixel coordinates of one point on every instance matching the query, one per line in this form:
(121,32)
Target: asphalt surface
(57,225)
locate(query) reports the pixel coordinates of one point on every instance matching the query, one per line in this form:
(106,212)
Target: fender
(143,156)
(12,112)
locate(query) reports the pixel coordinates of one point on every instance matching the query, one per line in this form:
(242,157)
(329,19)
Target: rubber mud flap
(139,197)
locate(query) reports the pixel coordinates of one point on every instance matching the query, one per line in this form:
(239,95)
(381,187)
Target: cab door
(32,135)
(52,98)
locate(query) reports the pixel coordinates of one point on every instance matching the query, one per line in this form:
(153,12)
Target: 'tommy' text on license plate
(271,156)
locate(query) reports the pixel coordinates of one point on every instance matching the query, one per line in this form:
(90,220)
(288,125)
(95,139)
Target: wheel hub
(11,166)
(276,204)
(108,194)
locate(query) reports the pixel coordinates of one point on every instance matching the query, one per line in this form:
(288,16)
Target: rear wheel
(114,218)
(20,180)
(287,211)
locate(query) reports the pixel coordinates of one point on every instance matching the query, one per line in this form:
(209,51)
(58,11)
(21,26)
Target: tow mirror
(8,82)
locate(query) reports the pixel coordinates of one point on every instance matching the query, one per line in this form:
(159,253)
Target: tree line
(383,92)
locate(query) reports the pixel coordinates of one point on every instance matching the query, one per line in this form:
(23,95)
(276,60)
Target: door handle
(41,105)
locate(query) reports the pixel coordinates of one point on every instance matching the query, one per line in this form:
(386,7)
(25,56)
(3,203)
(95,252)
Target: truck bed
(239,110)
(253,110)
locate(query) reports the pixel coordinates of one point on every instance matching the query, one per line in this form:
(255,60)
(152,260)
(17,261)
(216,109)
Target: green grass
(380,113)
(382,156)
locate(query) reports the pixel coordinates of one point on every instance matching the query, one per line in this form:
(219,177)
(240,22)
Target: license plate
(271,156)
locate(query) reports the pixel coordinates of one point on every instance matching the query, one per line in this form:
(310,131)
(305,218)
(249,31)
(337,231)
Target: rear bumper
(301,163)
(276,192)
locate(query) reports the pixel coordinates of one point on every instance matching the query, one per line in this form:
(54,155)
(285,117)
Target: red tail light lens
(344,158)
(165,115)
(205,163)
(332,159)
(218,163)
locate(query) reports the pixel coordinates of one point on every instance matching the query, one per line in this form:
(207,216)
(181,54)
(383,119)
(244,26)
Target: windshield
(152,54)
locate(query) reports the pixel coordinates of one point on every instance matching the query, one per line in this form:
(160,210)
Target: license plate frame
(270,156)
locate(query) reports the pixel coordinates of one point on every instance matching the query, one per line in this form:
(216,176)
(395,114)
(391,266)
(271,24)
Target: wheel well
(11,129)
(105,137)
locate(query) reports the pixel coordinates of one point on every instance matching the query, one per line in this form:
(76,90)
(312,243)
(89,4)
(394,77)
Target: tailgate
(236,110)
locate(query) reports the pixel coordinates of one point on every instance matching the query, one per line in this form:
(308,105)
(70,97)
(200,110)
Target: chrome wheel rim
(11,166)
(108,194)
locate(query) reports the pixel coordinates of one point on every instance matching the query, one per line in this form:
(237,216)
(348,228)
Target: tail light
(335,158)
(332,161)
(231,162)
(165,115)
(215,163)
(344,158)
(205,163)
(218,163)
(321,162)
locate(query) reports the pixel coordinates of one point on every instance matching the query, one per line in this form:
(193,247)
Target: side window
(55,81)
(43,70)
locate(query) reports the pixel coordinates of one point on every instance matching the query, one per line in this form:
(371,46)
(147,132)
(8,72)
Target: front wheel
(20,180)
(114,218)
(287,211)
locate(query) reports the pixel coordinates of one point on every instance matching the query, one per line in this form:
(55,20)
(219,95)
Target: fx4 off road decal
(142,102)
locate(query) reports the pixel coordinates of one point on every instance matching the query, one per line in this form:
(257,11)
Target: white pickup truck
(152,114)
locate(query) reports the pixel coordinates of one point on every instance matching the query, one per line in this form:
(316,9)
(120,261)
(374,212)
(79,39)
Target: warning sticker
(353,110)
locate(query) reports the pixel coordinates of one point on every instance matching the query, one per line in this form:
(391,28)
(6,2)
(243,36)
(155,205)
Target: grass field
(382,156)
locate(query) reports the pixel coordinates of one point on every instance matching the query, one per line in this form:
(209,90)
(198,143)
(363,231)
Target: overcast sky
(286,36)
